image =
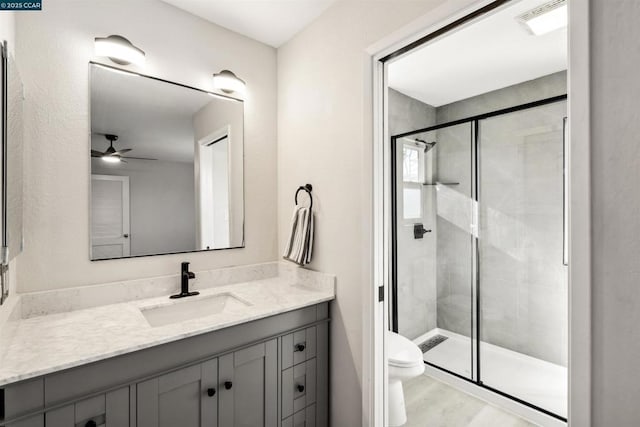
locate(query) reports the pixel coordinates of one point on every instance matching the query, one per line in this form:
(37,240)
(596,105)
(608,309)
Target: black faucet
(185,275)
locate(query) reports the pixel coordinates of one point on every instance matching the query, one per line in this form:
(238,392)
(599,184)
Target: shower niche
(484,292)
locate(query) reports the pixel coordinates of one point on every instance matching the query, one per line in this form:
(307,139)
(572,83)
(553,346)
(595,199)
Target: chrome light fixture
(119,50)
(228,82)
(546,18)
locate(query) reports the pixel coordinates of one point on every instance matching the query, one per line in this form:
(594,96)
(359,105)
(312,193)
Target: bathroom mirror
(12,157)
(166,167)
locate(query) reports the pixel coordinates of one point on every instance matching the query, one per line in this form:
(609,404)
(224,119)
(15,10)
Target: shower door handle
(419,231)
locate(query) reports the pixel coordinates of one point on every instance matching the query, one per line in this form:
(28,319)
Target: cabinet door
(110,409)
(35,421)
(187,397)
(249,386)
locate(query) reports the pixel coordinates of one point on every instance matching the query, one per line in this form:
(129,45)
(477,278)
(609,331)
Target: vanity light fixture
(119,50)
(228,82)
(546,18)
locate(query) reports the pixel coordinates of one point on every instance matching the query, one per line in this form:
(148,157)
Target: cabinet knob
(90,423)
(300,347)
(211,392)
(300,388)
(228,385)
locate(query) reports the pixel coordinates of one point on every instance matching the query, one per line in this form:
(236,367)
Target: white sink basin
(192,308)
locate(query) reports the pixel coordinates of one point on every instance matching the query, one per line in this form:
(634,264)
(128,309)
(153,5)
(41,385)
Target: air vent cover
(545,18)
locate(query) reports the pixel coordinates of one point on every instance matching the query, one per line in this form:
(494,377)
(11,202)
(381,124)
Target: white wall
(615,210)
(53,49)
(323,105)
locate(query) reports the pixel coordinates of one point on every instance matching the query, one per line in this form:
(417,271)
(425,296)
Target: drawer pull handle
(300,388)
(228,385)
(211,392)
(300,347)
(91,423)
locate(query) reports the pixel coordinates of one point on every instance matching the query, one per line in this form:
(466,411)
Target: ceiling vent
(545,18)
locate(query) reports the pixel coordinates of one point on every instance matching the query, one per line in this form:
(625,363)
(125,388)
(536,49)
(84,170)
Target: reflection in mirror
(166,167)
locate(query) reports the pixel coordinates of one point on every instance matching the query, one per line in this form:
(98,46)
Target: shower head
(427,145)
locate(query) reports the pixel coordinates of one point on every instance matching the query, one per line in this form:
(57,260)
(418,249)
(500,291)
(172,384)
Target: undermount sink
(192,308)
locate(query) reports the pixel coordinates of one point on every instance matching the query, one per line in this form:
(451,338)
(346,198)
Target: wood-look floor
(431,403)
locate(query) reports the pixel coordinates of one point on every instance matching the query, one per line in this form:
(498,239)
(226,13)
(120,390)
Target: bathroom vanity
(242,353)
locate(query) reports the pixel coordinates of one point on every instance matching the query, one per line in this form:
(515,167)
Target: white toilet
(405,362)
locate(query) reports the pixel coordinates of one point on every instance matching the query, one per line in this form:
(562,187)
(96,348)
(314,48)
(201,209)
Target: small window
(412,170)
(412,177)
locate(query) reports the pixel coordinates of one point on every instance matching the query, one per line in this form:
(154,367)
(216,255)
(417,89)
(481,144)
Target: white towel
(300,243)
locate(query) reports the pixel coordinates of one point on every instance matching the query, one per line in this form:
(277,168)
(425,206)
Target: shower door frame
(476,296)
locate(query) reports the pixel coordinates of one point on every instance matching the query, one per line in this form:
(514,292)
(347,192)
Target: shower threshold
(535,381)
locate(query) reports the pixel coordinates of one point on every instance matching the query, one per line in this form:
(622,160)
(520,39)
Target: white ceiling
(272,22)
(487,55)
(153,118)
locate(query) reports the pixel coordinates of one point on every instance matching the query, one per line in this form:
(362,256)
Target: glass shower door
(523,293)
(435,245)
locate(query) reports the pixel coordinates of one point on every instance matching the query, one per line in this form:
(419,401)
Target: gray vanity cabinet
(187,397)
(249,386)
(270,372)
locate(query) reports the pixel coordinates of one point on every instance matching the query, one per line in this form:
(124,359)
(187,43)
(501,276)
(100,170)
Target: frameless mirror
(166,167)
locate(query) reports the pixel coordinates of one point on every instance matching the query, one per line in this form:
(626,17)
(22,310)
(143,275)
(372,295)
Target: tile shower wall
(416,257)
(528,316)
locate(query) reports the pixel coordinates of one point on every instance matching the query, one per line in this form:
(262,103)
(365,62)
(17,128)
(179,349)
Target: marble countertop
(47,343)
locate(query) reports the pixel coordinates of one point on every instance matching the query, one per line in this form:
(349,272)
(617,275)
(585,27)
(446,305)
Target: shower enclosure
(479,250)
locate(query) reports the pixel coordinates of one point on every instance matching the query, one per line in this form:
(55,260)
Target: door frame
(376,312)
(214,137)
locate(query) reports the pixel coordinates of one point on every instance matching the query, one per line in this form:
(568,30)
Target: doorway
(478,178)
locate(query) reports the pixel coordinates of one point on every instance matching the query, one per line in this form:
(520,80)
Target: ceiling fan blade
(96,153)
(138,158)
(124,150)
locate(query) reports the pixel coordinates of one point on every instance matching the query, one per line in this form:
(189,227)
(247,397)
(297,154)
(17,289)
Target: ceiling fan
(112,155)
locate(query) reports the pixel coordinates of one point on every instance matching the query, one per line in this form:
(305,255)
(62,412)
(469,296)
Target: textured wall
(615,209)
(324,117)
(53,48)
(416,259)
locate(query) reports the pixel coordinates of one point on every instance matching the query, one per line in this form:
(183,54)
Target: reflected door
(110,217)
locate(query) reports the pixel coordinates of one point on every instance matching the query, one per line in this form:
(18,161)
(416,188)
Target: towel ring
(308,188)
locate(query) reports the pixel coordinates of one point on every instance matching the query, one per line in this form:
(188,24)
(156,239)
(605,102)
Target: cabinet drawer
(94,411)
(35,421)
(303,418)
(17,399)
(298,387)
(298,347)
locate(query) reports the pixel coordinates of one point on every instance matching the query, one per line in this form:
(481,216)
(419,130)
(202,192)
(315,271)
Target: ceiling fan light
(228,82)
(111,159)
(119,50)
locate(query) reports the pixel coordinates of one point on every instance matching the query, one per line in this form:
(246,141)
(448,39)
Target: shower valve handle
(419,231)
